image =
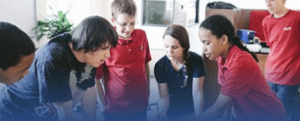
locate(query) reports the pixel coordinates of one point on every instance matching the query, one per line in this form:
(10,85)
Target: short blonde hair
(123,6)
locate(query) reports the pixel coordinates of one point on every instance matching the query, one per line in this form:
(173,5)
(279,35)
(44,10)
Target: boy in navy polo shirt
(282,29)
(126,72)
(16,53)
(61,74)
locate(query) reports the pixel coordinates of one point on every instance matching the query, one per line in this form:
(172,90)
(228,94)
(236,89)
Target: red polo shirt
(242,80)
(283,37)
(126,84)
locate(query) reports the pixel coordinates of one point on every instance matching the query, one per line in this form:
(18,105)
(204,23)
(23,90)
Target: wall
(20,13)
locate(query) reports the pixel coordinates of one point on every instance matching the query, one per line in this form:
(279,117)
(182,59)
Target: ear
(224,39)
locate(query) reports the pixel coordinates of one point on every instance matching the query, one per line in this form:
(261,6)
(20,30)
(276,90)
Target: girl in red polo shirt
(242,82)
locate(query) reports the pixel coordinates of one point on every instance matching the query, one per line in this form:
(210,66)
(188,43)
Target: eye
(105,48)
(207,43)
(175,47)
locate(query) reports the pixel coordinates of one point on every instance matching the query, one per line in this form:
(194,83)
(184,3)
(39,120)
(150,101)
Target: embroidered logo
(141,48)
(287,28)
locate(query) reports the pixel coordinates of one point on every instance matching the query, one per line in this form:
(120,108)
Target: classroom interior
(26,13)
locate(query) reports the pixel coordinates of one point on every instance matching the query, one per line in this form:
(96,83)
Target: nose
(170,50)
(204,48)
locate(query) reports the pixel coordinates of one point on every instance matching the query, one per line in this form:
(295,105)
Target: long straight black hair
(219,26)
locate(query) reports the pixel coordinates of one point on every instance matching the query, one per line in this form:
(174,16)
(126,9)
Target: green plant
(53,27)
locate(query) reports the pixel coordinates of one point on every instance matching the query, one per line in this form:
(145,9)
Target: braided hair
(180,33)
(219,26)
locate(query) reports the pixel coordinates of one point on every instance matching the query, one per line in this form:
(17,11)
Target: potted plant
(53,27)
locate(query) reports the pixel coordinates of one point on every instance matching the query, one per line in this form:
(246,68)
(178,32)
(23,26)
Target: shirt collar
(170,67)
(125,42)
(224,62)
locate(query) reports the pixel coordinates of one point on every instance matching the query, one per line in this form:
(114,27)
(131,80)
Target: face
(96,58)
(212,46)
(15,73)
(124,25)
(173,49)
(275,6)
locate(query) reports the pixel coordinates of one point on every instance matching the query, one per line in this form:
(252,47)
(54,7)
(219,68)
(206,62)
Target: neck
(226,51)
(79,55)
(281,13)
(177,64)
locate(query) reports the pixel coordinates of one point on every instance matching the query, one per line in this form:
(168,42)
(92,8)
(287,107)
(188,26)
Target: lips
(207,55)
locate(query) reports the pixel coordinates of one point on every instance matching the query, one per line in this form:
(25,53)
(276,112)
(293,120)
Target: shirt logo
(141,48)
(287,28)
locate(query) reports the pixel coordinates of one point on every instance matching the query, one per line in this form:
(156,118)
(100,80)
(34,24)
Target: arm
(216,110)
(164,100)
(148,77)
(198,95)
(89,102)
(100,95)
(64,111)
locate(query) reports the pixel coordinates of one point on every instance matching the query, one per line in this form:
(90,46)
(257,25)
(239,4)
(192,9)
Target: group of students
(66,71)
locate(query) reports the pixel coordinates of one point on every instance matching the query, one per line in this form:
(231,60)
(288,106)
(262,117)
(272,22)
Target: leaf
(40,36)
(60,15)
(40,23)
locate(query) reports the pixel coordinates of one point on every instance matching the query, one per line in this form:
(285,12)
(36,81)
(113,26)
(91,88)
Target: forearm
(163,105)
(148,72)
(210,114)
(198,98)
(100,95)
(148,78)
(64,111)
(198,95)
(216,110)
(89,102)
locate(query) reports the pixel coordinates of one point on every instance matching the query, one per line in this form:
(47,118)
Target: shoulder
(194,57)
(266,19)
(138,33)
(162,61)
(295,14)
(241,58)
(56,50)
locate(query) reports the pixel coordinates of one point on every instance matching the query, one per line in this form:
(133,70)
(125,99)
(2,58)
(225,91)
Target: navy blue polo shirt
(181,98)
(48,81)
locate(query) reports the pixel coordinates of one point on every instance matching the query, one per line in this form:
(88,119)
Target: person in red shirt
(282,29)
(126,72)
(242,82)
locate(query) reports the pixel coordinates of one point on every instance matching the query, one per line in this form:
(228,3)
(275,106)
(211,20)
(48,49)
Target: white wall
(20,13)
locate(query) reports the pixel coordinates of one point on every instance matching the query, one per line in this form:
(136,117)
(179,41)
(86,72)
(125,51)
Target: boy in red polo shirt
(282,29)
(126,72)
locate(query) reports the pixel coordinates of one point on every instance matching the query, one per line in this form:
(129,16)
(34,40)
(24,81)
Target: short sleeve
(53,83)
(160,73)
(198,65)
(239,81)
(148,55)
